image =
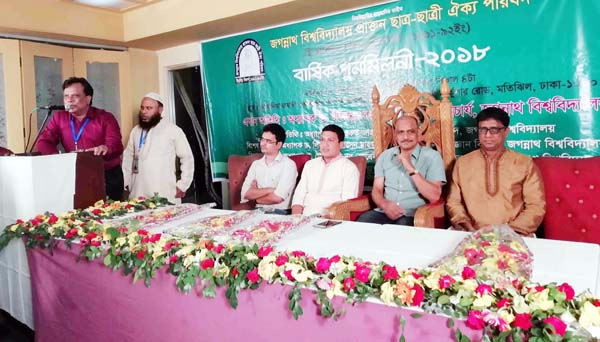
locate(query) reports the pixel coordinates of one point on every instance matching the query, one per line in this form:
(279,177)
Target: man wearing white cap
(149,159)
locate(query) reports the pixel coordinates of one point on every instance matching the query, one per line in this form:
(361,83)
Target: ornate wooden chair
(437,131)
(237,168)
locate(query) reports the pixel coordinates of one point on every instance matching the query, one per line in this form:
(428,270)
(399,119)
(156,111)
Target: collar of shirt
(92,113)
(277,158)
(339,157)
(416,152)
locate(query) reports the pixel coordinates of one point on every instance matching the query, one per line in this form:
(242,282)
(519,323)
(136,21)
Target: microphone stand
(48,114)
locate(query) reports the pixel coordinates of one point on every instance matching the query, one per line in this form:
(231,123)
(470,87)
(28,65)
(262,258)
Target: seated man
(406,177)
(495,185)
(271,180)
(327,179)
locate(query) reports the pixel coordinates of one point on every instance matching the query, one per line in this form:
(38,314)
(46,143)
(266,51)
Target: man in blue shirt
(406,177)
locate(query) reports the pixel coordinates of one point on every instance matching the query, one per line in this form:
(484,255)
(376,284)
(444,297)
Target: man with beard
(82,127)
(149,159)
(406,177)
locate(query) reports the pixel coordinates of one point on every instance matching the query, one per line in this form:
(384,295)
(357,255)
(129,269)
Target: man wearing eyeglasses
(495,185)
(327,179)
(271,180)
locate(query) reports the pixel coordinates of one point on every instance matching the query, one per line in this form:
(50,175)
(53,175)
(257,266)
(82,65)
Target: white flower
(298,272)
(251,256)
(520,306)
(506,316)
(590,315)
(336,290)
(469,284)
(387,293)
(540,301)
(482,302)
(267,268)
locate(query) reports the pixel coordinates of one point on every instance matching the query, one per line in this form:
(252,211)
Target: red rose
(38,237)
(95,243)
(288,274)
(323,265)
(209,245)
(91,235)
(141,198)
(52,219)
(142,232)
(34,222)
(475,320)
(253,276)
(349,284)
(155,237)
(522,321)
(390,272)
(596,302)
(127,206)
(19,221)
(502,264)
(219,248)
(559,326)
(567,290)
(282,259)
(97,211)
(141,254)
(298,254)
(417,275)
(71,233)
(234,272)
(361,273)
(419,295)
(468,273)
(485,243)
(264,251)
(123,229)
(145,239)
(207,263)
(504,302)
(539,288)
(173,259)
(168,246)
(483,289)
(445,282)
(335,258)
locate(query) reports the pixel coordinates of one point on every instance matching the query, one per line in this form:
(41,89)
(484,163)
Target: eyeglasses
(491,130)
(268,141)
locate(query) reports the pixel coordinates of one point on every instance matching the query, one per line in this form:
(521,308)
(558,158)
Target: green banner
(533,58)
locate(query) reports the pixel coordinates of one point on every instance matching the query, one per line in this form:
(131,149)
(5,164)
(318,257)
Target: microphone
(55,107)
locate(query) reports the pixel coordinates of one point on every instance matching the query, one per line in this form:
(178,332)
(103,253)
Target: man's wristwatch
(413,173)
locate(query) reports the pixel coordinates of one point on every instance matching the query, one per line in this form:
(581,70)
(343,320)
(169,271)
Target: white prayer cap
(155,96)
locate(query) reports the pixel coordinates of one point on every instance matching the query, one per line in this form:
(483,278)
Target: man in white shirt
(271,180)
(149,159)
(327,179)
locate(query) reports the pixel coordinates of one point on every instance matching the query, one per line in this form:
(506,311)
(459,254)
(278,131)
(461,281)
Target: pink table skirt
(83,301)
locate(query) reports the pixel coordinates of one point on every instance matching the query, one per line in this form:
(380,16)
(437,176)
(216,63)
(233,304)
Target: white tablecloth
(554,261)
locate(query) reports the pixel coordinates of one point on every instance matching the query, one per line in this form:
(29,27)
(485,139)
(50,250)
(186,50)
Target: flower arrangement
(269,231)
(518,311)
(496,253)
(211,226)
(158,216)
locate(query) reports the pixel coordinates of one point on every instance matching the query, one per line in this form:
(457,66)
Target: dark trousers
(374,216)
(114,183)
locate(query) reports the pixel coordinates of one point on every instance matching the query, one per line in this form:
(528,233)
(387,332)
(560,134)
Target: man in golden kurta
(495,185)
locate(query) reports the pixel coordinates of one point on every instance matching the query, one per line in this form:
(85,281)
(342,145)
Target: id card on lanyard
(77,136)
(135,167)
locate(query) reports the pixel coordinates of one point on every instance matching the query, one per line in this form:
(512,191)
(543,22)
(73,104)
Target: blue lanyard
(142,139)
(76,137)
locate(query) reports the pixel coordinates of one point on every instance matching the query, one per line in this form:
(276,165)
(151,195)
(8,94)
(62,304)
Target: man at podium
(81,127)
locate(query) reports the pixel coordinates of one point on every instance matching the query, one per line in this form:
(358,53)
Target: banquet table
(99,304)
